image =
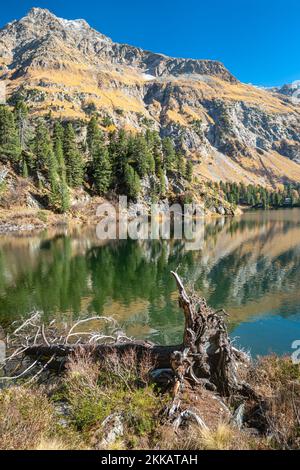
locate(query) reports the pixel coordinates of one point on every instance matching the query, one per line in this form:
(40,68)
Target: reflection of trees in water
(132,270)
(122,271)
(255,267)
(238,263)
(238,278)
(55,283)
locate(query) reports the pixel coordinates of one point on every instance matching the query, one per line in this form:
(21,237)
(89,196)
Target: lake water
(250,266)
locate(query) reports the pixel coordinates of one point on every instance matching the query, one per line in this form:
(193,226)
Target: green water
(248,265)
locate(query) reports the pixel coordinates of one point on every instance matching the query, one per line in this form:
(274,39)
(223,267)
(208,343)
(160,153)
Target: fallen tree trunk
(205,356)
(161,354)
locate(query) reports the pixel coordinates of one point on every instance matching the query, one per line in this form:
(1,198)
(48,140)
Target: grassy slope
(111,90)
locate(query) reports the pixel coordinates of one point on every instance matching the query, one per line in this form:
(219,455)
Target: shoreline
(29,221)
(24,221)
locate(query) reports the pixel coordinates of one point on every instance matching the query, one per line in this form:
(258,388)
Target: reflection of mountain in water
(250,266)
(254,265)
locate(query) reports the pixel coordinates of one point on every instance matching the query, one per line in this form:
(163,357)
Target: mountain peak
(67,67)
(37,12)
(42,13)
(93,47)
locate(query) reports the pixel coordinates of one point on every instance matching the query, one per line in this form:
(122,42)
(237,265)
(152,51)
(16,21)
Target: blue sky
(258,40)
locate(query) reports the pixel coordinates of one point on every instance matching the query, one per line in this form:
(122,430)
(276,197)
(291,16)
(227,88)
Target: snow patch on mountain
(148,77)
(74,24)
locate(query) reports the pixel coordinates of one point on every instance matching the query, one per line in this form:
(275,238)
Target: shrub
(140,409)
(114,386)
(43,216)
(277,379)
(26,417)
(126,371)
(88,403)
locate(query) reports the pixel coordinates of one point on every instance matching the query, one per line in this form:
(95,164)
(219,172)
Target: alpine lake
(248,265)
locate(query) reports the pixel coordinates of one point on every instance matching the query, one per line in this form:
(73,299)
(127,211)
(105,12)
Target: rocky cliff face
(232,131)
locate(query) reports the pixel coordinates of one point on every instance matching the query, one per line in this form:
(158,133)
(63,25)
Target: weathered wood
(205,356)
(161,355)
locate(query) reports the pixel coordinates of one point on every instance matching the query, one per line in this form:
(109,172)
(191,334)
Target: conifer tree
(64,197)
(155,146)
(141,156)
(9,140)
(118,150)
(73,158)
(102,169)
(132,182)
(181,165)
(189,170)
(162,181)
(168,153)
(94,135)
(58,139)
(24,169)
(42,147)
(22,123)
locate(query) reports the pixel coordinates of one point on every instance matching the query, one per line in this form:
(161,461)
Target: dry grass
(51,444)
(26,417)
(272,373)
(30,418)
(277,380)
(220,439)
(223,437)
(175,116)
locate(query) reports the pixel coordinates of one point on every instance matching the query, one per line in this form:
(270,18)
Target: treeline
(257,196)
(59,157)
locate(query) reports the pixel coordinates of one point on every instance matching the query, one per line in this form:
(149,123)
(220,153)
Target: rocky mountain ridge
(232,131)
(40,27)
(289,89)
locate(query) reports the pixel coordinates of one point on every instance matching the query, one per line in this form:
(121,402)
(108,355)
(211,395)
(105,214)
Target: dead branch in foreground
(205,356)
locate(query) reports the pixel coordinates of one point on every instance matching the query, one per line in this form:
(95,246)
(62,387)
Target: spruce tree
(58,140)
(52,173)
(118,150)
(141,156)
(168,153)
(180,163)
(94,135)
(162,182)
(132,182)
(189,170)
(155,146)
(24,169)
(9,140)
(22,123)
(64,197)
(102,169)
(42,148)
(73,158)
